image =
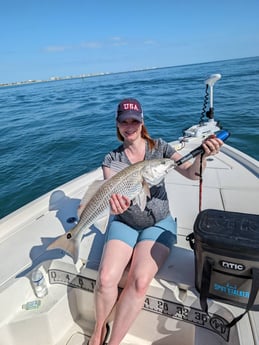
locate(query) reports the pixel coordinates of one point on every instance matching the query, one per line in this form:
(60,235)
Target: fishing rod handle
(222,135)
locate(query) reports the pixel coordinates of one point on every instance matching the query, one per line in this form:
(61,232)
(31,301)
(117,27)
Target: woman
(135,239)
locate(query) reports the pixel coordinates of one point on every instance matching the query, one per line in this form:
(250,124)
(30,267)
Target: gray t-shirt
(157,207)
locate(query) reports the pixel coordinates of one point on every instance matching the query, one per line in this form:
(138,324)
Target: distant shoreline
(89,75)
(81,76)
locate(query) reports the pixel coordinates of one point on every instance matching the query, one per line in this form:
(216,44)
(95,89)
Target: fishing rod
(222,135)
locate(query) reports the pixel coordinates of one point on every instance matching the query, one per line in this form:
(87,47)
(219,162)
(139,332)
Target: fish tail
(68,244)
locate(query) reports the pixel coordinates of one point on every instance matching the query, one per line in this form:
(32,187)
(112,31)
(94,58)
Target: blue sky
(45,38)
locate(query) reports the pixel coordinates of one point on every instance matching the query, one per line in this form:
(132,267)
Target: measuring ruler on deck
(57,276)
(169,309)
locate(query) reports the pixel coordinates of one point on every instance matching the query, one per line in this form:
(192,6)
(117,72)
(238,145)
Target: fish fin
(118,166)
(102,222)
(141,201)
(69,245)
(146,189)
(141,198)
(92,189)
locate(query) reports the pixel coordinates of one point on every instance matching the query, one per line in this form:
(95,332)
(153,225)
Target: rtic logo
(232,265)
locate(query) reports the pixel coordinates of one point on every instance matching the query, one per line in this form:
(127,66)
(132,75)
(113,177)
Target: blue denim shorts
(164,231)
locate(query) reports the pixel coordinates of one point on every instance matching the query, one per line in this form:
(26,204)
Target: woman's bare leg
(148,257)
(115,258)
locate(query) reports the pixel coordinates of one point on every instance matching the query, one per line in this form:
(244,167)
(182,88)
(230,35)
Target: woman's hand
(211,145)
(119,203)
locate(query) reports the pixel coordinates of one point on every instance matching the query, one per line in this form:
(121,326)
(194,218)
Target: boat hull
(171,313)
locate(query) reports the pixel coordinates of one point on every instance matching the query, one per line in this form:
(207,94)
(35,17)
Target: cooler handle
(252,297)
(205,286)
(205,283)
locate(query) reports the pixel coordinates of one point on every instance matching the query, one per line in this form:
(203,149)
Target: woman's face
(130,129)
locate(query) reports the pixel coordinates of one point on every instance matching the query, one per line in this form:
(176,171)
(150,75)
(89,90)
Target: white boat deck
(171,312)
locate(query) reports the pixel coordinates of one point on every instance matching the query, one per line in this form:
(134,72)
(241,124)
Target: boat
(64,312)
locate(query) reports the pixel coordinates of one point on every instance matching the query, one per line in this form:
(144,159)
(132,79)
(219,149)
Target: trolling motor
(210,82)
(204,129)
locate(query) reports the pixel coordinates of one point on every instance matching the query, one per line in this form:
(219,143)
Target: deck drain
(71,220)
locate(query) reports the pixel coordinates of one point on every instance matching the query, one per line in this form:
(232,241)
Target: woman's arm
(107,172)
(190,170)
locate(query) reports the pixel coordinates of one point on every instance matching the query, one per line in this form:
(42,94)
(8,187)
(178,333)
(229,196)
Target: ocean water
(53,132)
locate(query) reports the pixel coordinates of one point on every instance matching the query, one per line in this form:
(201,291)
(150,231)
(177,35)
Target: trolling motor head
(210,82)
(212,79)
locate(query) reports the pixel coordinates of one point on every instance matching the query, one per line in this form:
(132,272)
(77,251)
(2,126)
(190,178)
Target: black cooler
(226,246)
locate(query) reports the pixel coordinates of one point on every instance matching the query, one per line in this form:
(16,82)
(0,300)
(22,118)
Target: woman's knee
(141,284)
(107,278)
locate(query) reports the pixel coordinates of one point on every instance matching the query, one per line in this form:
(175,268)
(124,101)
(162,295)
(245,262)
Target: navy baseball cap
(129,108)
